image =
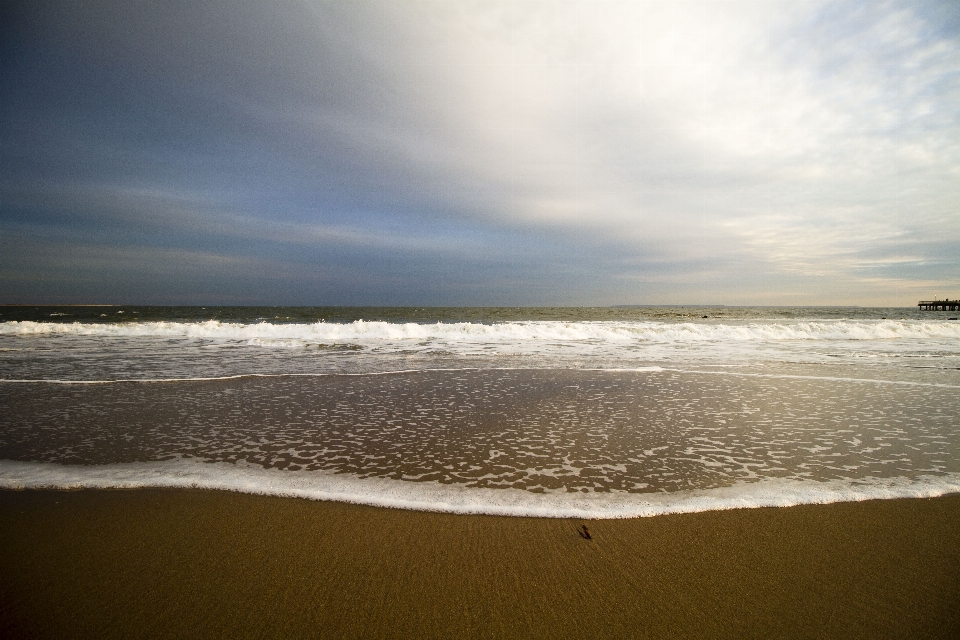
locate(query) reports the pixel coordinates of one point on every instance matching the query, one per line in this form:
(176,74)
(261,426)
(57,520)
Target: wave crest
(372,333)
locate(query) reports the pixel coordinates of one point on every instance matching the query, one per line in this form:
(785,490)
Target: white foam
(362,332)
(649,369)
(790,376)
(323,374)
(429,496)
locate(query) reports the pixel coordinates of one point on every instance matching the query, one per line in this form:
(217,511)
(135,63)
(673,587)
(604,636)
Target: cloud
(590,149)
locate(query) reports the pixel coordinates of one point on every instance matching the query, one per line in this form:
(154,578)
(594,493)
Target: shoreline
(164,562)
(453,498)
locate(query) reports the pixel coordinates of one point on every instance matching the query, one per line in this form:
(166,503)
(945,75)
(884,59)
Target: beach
(196,563)
(744,472)
(497,320)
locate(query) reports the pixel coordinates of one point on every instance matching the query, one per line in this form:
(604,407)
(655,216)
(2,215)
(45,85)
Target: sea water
(563,412)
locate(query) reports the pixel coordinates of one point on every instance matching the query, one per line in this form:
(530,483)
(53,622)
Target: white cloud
(677,141)
(671,122)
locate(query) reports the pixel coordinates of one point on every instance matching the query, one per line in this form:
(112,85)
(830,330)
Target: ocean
(552,412)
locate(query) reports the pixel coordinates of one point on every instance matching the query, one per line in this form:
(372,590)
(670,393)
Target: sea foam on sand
(431,496)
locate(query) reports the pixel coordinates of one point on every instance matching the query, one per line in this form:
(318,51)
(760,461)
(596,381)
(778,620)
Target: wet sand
(191,563)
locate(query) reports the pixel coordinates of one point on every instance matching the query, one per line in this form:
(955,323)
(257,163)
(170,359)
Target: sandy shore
(191,563)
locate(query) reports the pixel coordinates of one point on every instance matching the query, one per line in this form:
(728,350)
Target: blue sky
(480,153)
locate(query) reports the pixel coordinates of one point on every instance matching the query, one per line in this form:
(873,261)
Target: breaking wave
(373,333)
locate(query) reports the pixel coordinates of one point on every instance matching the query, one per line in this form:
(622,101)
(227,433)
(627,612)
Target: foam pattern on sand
(584,431)
(186,473)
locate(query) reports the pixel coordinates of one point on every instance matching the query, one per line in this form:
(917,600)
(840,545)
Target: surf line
(322,374)
(334,374)
(21,475)
(908,383)
(238,376)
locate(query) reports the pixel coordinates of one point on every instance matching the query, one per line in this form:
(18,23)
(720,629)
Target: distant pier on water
(939,305)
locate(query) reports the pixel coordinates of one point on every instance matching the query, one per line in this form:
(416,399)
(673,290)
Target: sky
(758,152)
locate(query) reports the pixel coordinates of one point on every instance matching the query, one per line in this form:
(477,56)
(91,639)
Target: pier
(939,305)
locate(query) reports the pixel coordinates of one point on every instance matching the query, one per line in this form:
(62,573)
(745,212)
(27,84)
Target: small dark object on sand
(584,532)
